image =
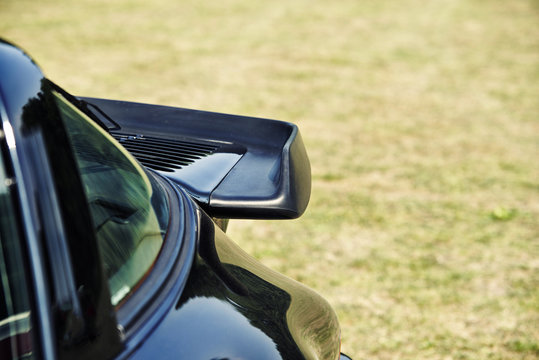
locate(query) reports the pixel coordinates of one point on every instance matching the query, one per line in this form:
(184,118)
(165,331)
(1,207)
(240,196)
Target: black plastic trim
(261,171)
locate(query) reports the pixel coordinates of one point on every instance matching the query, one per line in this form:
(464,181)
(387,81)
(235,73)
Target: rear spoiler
(234,166)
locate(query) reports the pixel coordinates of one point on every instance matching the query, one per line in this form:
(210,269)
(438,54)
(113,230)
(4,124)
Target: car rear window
(129,209)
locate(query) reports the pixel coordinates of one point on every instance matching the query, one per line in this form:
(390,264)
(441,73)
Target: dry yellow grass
(422,124)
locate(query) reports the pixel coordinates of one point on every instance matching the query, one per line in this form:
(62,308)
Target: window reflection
(128,207)
(15,320)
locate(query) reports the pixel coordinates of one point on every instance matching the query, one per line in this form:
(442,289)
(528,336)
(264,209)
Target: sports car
(113,225)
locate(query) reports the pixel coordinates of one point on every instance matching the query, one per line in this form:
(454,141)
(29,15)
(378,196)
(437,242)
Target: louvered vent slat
(162,160)
(181,152)
(175,143)
(164,154)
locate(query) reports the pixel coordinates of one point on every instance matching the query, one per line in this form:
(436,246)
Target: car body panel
(75,311)
(234,307)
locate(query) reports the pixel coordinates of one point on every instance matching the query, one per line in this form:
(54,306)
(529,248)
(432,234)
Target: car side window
(15,319)
(128,207)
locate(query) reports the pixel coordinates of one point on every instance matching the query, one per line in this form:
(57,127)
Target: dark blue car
(112,230)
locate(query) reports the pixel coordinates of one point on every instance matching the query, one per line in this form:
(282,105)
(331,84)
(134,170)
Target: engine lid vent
(165,154)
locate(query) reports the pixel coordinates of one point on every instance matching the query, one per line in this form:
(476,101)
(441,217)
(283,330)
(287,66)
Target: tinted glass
(128,207)
(15,325)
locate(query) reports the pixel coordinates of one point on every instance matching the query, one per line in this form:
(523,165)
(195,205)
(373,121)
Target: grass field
(421,119)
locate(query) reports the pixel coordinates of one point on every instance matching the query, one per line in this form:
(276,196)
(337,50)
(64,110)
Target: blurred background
(421,119)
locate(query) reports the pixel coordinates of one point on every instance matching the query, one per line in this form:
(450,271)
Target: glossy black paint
(76,317)
(232,307)
(265,175)
(205,298)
